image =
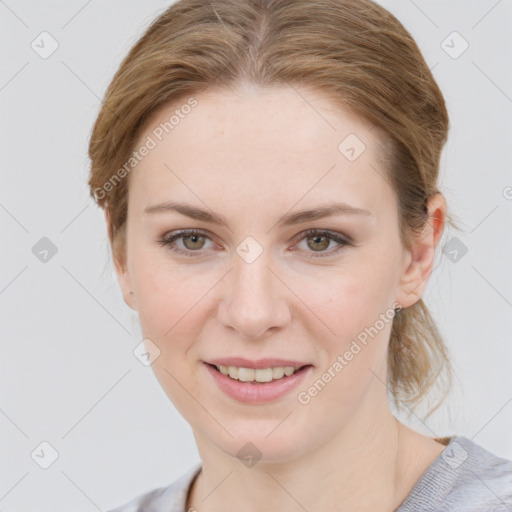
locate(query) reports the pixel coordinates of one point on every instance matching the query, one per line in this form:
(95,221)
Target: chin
(262,442)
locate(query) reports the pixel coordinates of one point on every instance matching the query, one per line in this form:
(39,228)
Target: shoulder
(465,476)
(164,499)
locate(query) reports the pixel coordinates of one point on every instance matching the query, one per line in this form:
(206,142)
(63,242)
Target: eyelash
(167,241)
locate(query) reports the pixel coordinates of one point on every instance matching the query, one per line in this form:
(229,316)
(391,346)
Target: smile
(257,385)
(257,374)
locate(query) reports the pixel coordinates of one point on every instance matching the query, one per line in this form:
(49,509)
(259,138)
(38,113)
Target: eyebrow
(289,219)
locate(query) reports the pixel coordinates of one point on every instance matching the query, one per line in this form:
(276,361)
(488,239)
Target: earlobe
(122,273)
(419,259)
(124,280)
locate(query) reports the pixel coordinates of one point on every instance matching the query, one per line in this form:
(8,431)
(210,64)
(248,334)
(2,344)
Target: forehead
(265,144)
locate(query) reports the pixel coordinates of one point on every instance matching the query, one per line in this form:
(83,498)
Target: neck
(365,466)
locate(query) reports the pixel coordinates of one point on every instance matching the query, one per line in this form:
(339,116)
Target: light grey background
(68,375)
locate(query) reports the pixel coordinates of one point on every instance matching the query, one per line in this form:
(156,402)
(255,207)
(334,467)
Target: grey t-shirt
(464,477)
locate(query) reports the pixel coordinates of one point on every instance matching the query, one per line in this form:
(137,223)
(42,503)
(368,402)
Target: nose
(255,301)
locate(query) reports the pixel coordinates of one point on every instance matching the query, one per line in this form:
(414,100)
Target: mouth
(258,375)
(256,386)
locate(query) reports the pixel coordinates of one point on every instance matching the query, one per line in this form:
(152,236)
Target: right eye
(193,241)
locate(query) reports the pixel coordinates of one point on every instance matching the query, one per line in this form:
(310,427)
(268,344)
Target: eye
(194,240)
(321,239)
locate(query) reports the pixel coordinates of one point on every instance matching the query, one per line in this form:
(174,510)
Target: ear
(419,259)
(122,273)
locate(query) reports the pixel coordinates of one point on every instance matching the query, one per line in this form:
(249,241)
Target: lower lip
(257,393)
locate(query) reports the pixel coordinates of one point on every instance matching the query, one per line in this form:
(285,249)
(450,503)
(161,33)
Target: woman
(268,171)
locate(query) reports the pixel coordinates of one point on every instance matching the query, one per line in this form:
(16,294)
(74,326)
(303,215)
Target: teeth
(278,373)
(263,375)
(246,374)
(259,374)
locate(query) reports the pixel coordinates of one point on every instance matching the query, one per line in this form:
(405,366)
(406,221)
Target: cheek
(169,309)
(352,322)
(344,300)
(166,294)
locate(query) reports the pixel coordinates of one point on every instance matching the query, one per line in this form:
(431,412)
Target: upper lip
(267,362)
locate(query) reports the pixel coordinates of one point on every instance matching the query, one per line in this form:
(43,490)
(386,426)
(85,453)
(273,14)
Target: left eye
(194,240)
(321,240)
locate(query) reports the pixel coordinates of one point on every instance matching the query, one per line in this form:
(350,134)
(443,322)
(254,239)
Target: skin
(252,156)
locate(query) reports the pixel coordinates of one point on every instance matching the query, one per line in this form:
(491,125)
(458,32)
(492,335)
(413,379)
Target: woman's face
(256,286)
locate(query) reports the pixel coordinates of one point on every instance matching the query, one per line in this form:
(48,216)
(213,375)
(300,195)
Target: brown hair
(356,52)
